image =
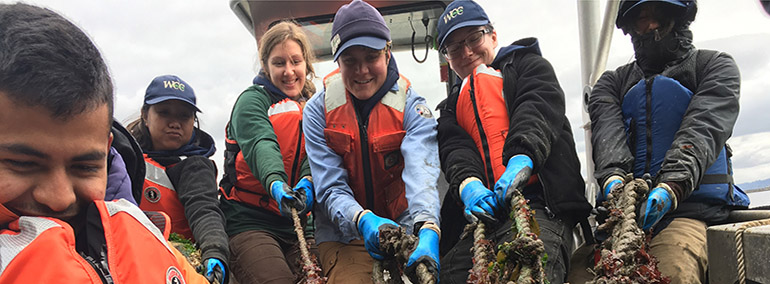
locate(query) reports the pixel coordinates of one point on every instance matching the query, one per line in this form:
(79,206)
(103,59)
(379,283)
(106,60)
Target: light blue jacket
(336,206)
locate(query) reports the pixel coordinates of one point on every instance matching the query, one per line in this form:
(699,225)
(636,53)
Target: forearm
(460,159)
(611,154)
(421,164)
(706,126)
(333,195)
(251,128)
(197,191)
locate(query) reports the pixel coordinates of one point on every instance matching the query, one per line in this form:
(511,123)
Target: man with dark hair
(56,101)
(504,129)
(666,118)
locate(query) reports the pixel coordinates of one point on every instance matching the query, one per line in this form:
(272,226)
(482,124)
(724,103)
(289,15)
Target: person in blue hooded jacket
(666,118)
(504,129)
(180,179)
(371,145)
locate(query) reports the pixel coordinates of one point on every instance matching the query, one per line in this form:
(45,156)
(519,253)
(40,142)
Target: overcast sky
(206,45)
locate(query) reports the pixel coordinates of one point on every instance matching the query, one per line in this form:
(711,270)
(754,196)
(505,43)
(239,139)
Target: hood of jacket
(524,45)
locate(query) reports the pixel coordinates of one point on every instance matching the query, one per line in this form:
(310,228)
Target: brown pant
(260,257)
(346,263)
(680,249)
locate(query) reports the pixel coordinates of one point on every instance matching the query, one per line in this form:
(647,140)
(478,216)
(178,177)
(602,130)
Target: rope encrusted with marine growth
(519,261)
(624,256)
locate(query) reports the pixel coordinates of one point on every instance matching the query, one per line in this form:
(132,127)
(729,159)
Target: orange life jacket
(159,194)
(482,112)
(42,250)
(286,118)
(371,152)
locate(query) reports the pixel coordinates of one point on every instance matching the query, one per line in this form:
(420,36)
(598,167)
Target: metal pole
(593,57)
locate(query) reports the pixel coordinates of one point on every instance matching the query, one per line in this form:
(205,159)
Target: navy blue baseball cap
(358,23)
(627,6)
(169,87)
(460,14)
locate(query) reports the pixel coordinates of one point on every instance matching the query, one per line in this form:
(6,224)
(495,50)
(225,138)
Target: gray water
(761,198)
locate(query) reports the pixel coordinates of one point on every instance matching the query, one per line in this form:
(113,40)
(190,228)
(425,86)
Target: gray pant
(555,233)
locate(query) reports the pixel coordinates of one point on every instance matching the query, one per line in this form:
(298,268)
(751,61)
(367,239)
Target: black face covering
(653,51)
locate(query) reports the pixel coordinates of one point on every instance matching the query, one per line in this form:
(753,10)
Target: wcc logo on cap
(169,87)
(453,14)
(460,14)
(174,85)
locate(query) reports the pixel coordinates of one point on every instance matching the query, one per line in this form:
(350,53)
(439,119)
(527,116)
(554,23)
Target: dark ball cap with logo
(358,23)
(460,14)
(169,87)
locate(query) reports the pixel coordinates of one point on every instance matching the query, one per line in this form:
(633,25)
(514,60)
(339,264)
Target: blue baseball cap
(169,87)
(358,23)
(460,14)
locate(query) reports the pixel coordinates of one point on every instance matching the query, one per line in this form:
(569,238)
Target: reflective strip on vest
(396,100)
(334,85)
(282,107)
(157,175)
(29,229)
(122,205)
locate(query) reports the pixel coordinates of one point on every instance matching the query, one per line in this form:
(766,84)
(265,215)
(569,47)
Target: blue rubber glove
(515,177)
(305,187)
(287,198)
(479,202)
(215,271)
(612,183)
(660,200)
(369,226)
(426,252)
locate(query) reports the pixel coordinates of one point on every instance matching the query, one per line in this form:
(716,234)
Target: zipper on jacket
(482,136)
(548,208)
(294,178)
(365,160)
(648,124)
(101,268)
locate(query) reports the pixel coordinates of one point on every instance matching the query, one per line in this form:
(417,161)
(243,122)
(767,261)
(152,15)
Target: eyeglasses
(475,39)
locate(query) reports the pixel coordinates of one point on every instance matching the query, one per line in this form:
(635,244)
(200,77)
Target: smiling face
(466,59)
(363,70)
(286,68)
(170,123)
(50,166)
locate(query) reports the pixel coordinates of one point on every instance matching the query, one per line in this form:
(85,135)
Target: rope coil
(739,246)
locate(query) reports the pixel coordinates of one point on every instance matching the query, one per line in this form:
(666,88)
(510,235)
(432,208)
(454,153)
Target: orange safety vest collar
(42,250)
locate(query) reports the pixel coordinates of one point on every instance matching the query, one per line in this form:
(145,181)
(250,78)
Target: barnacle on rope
(521,260)
(312,272)
(624,257)
(397,245)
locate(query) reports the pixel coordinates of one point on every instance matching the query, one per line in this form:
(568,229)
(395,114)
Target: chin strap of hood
(654,52)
